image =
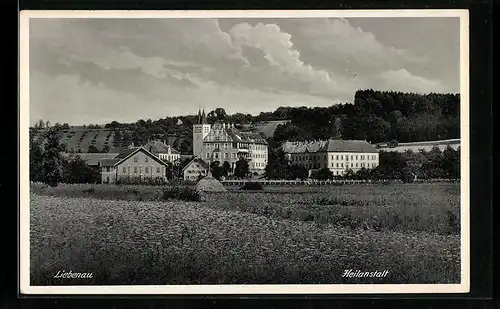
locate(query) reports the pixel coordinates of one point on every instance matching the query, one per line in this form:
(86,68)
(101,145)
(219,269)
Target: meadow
(279,235)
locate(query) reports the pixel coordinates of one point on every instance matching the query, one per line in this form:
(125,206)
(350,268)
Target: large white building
(223,142)
(336,155)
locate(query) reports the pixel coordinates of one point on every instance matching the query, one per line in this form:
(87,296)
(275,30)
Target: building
(163,151)
(133,163)
(336,155)
(223,142)
(417,146)
(194,169)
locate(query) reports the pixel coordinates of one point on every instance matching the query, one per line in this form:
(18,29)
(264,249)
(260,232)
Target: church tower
(200,130)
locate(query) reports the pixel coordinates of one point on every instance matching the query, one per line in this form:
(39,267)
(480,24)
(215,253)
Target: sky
(98,70)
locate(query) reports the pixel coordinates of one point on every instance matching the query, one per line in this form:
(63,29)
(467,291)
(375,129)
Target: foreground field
(134,242)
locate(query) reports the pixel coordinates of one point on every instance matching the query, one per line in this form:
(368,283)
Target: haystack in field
(209,184)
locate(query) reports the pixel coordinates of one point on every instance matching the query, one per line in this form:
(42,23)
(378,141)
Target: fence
(323,182)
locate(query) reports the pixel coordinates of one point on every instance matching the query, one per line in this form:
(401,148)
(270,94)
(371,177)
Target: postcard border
(25,286)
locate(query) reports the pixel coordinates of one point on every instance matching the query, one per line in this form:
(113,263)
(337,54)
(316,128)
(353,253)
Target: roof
(91,158)
(109,162)
(125,154)
(301,147)
(197,160)
(160,147)
(329,146)
(238,136)
(350,146)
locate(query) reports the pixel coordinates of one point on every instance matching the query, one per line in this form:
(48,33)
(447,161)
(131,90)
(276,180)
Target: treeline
(376,117)
(408,167)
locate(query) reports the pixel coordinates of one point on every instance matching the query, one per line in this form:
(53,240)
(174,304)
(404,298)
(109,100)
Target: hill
(375,116)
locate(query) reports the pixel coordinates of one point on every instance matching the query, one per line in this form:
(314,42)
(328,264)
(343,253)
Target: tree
(51,164)
(322,174)
(241,169)
(363,174)
(36,157)
(227,168)
(277,165)
(76,170)
(93,149)
(297,171)
(105,148)
(451,162)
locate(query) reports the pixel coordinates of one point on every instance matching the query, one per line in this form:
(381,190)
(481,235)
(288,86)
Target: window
(208,155)
(146,159)
(336,157)
(216,155)
(225,146)
(341,164)
(158,170)
(135,169)
(325,157)
(356,157)
(351,164)
(336,165)
(147,169)
(124,170)
(341,157)
(107,179)
(352,157)
(356,164)
(136,159)
(107,169)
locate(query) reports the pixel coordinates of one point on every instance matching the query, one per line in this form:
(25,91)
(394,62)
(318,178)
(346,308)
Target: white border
(25,286)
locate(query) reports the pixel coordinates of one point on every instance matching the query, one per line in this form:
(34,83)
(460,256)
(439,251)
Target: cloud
(278,50)
(402,80)
(98,69)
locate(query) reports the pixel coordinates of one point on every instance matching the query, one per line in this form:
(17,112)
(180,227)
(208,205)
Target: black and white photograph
(244,152)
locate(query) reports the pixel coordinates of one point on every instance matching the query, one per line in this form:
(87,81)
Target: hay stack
(209,184)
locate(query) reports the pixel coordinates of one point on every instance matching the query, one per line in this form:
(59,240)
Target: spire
(199,116)
(203,117)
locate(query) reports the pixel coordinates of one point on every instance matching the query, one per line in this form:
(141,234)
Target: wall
(145,167)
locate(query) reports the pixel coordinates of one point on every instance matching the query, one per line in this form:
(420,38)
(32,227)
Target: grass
(186,243)
(183,192)
(431,208)
(298,235)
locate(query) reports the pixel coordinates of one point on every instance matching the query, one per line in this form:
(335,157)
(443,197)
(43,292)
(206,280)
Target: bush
(183,193)
(252,186)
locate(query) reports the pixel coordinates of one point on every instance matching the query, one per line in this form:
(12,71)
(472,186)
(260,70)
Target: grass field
(296,235)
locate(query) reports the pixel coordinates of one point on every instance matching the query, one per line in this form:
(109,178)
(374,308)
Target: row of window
(260,164)
(146,159)
(362,164)
(146,170)
(340,165)
(169,157)
(334,157)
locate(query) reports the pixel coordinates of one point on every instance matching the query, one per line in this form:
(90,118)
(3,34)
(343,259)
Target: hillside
(375,116)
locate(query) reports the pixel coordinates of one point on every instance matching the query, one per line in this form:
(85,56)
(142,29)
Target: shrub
(184,193)
(252,186)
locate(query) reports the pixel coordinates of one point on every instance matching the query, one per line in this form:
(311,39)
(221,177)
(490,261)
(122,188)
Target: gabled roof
(197,160)
(127,153)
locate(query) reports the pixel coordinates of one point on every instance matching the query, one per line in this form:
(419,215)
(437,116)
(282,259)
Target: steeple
(199,117)
(203,117)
